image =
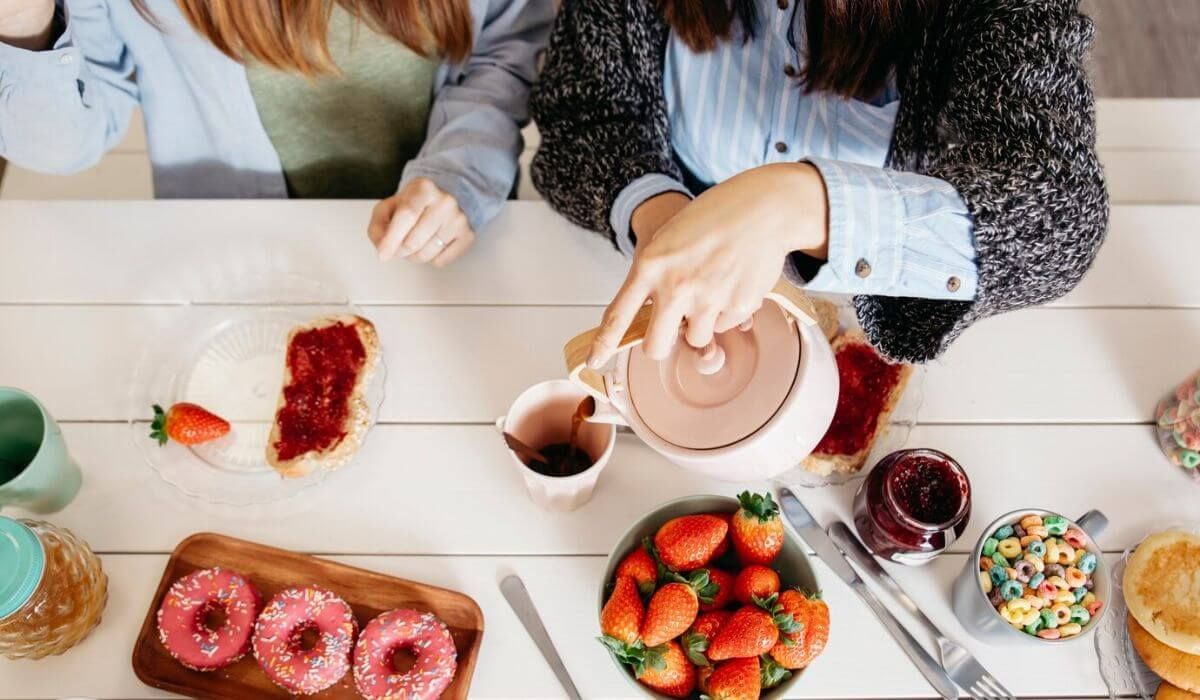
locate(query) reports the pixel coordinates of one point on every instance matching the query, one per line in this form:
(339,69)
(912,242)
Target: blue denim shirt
(740,106)
(62,109)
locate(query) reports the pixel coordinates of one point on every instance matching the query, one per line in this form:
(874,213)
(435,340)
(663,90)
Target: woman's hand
(712,263)
(26,23)
(421,223)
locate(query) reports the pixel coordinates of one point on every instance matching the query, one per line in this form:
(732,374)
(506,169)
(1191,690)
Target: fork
(962,668)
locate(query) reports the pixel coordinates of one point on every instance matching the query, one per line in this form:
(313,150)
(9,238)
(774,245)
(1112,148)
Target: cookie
(1162,588)
(1177,668)
(1166,691)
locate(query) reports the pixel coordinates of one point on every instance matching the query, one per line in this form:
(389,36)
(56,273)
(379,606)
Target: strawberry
(621,618)
(756,530)
(738,679)
(724,546)
(755,581)
(689,542)
(702,631)
(702,674)
(667,670)
(674,606)
(724,582)
(187,424)
(771,674)
(806,640)
(642,568)
(748,632)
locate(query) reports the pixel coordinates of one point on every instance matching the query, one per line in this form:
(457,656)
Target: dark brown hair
(851,46)
(292,34)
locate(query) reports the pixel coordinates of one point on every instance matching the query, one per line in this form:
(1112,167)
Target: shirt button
(781,146)
(789,70)
(783,4)
(66,59)
(862,268)
(953,284)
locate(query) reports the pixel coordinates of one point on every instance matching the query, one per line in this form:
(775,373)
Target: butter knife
(518,599)
(960,665)
(827,551)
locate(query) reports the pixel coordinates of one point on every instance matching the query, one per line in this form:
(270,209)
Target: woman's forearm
(26,24)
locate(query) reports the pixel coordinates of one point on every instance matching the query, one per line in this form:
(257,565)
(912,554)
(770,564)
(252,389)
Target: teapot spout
(601,412)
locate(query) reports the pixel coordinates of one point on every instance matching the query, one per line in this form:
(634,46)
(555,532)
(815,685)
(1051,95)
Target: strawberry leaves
(787,624)
(761,506)
(694,646)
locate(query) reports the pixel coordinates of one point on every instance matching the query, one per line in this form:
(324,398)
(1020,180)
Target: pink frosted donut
(186,616)
(293,615)
(421,634)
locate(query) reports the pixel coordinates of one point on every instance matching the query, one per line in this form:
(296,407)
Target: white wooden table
(1057,396)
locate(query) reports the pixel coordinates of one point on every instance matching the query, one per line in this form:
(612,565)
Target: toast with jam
(322,417)
(869,389)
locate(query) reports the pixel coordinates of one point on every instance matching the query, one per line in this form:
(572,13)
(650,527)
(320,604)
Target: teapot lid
(695,401)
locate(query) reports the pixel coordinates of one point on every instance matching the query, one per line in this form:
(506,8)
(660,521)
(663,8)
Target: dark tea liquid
(565,458)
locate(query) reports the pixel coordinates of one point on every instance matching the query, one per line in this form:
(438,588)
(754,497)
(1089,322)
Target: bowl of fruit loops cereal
(710,595)
(1035,576)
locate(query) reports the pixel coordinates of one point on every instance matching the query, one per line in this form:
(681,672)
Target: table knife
(518,599)
(960,665)
(827,551)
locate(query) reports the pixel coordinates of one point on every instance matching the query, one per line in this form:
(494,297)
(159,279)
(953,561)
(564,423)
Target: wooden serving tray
(272,570)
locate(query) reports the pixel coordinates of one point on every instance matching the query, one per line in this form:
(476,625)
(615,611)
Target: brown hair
(851,45)
(292,34)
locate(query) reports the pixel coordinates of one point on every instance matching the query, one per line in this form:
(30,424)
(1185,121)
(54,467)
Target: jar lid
(688,404)
(22,561)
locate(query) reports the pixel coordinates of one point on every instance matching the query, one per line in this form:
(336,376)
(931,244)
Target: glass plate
(1120,666)
(895,434)
(230,360)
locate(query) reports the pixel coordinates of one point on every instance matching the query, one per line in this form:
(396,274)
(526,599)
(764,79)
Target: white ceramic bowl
(792,564)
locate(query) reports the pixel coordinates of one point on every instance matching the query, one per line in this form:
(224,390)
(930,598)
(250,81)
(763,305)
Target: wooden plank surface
(184,251)
(1039,365)
(438,489)
(565,589)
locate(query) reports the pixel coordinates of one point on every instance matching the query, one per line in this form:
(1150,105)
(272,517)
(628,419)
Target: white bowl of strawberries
(709,595)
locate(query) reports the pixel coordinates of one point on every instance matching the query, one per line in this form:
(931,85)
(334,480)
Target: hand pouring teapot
(749,406)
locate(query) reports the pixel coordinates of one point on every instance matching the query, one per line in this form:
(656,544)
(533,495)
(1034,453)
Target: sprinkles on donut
(303,639)
(206,618)
(421,634)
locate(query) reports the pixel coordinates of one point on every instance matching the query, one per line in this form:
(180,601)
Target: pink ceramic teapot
(749,406)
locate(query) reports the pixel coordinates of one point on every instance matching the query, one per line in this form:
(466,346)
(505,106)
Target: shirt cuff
(630,198)
(62,62)
(895,234)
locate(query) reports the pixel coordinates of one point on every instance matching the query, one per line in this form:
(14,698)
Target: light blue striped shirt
(740,106)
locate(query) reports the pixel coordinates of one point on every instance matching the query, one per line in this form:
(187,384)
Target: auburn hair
(292,34)
(851,46)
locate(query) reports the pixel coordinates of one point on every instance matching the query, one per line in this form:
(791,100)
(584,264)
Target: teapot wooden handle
(790,297)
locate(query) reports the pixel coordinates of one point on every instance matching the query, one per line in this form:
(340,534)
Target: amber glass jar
(52,589)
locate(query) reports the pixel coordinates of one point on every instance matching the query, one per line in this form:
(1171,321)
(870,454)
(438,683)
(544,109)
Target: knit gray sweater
(994,100)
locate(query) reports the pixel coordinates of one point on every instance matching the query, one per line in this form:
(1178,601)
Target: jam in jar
(52,589)
(912,505)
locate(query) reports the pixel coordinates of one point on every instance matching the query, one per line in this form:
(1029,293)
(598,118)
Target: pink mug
(541,416)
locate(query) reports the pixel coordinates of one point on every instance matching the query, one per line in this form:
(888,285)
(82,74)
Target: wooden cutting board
(272,570)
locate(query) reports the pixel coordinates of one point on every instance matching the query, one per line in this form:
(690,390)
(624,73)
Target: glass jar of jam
(912,506)
(52,589)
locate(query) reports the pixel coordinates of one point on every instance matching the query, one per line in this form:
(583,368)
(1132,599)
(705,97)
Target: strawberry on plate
(621,618)
(667,670)
(771,673)
(756,530)
(755,581)
(690,542)
(187,424)
(738,679)
(748,632)
(807,639)
(642,568)
(724,582)
(674,606)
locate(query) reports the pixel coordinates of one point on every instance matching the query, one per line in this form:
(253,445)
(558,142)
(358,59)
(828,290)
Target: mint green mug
(36,472)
